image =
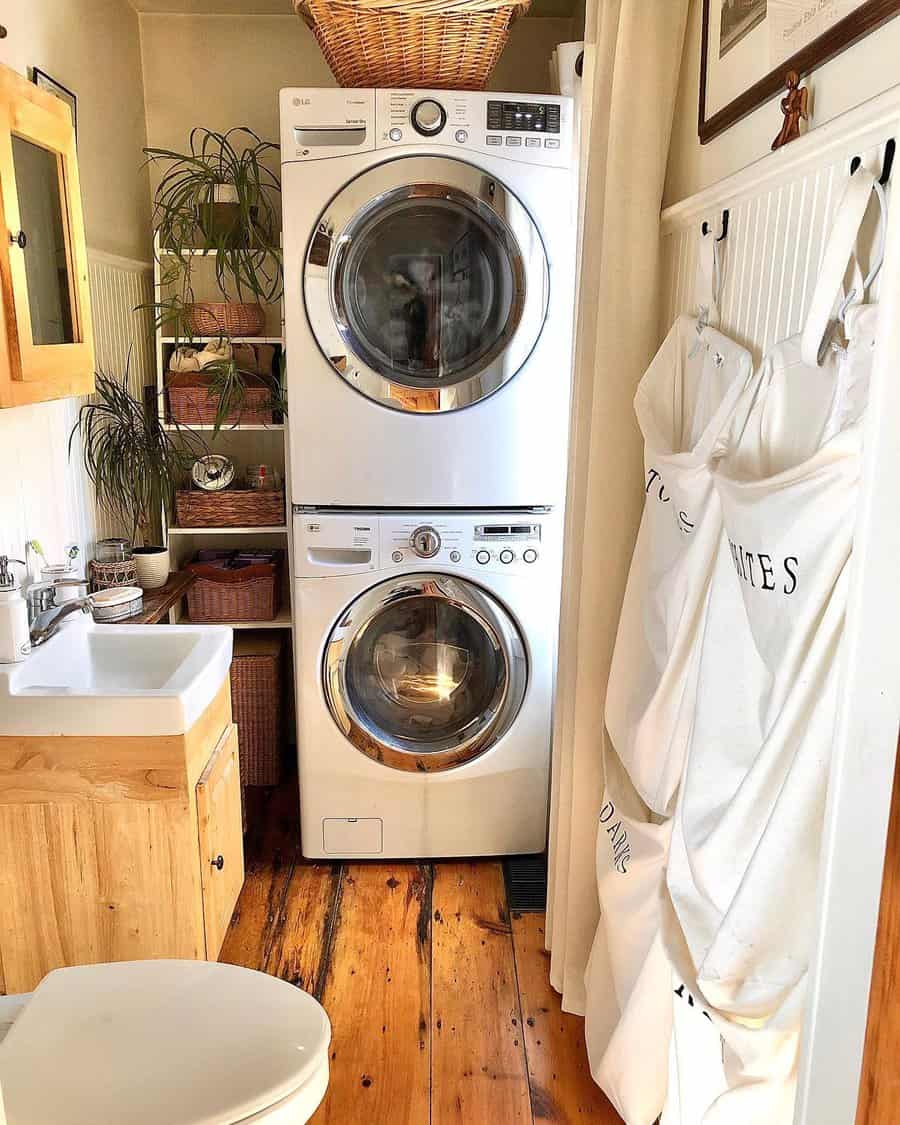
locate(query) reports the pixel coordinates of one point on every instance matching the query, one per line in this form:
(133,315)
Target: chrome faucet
(49,620)
(41,596)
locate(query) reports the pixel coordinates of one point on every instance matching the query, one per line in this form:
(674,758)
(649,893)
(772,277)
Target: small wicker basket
(441,44)
(225,318)
(197,405)
(231,508)
(217,595)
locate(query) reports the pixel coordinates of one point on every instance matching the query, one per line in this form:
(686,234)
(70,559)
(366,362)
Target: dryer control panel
(328,544)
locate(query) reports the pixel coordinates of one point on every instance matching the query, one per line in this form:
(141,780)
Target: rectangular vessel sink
(115,680)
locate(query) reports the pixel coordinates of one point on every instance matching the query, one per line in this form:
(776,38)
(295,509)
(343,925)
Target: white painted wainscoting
(43,493)
(780,213)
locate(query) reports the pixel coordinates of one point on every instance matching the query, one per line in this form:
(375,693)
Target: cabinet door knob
(20,239)
(218,862)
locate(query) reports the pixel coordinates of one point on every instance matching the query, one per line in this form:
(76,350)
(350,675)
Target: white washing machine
(429,248)
(425,652)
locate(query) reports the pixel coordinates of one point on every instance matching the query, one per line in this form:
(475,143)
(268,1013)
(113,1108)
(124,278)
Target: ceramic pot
(152,566)
(219,218)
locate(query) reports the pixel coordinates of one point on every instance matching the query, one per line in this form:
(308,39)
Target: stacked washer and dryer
(429,246)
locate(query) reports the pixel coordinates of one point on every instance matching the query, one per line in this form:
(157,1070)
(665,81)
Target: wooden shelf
(281,621)
(191,340)
(280,529)
(175,427)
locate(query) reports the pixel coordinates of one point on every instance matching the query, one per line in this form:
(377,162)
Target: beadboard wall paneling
(43,493)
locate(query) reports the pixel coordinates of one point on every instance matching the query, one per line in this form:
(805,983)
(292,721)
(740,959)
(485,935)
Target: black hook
(890,150)
(721,238)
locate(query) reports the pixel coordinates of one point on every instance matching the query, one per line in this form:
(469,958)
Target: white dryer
(425,652)
(429,248)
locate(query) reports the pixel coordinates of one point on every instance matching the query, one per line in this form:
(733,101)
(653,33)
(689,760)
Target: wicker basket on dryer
(441,44)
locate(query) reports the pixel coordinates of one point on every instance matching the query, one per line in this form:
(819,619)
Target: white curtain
(632,58)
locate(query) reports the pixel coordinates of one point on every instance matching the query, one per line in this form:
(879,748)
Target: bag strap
(838,251)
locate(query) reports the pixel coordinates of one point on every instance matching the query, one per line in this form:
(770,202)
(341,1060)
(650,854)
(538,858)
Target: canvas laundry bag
(683,405)
(744,856)
(628,1020)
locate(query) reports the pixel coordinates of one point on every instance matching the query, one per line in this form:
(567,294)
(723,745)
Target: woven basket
(196,406)
(230,508)
(440,44)
(106,576)
(215,595)
(225,318)
(256,702)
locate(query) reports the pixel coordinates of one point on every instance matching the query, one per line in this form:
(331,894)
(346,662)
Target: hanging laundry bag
(744,856)
(683,405)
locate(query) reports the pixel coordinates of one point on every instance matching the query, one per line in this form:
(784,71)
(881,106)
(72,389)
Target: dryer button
(530,555)
(455,556)
(483,557)
(461,136)
(506,556)
(396,134)
(397,556)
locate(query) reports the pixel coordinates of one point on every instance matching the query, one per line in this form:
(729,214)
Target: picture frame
(756,37)
(46,82)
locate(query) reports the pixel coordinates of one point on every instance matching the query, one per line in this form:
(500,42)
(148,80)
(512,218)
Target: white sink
(112,680)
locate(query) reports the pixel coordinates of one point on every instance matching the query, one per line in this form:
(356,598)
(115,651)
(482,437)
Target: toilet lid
(145,1042)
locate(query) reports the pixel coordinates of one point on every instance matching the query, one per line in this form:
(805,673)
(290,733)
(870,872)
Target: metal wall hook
(704,229)
(890,150)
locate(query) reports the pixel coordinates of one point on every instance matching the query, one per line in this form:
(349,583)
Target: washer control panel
(331,544)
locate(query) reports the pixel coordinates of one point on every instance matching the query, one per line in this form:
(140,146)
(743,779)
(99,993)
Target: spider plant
(134,464)
(221,196)
(229,387)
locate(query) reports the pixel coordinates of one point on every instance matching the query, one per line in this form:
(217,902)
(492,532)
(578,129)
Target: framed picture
(748,46)
(42,79)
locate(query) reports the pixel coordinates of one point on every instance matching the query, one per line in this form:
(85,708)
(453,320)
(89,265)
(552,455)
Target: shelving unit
(244,443)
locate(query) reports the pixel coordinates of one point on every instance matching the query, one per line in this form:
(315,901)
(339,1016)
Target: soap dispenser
(15,637)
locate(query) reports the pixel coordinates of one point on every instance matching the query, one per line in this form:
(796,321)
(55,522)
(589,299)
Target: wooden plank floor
(440,1003)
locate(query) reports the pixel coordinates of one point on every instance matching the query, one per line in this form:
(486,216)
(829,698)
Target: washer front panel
(425,672)
(426,284)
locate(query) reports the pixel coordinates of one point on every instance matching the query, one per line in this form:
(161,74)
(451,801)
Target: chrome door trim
(436,177)
(406,754)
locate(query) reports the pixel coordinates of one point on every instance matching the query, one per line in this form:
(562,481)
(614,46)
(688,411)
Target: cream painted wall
(866,69)
(186,56)
(93,47)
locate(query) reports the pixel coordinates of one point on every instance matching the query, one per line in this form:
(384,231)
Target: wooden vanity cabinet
(46,342)
(118,849)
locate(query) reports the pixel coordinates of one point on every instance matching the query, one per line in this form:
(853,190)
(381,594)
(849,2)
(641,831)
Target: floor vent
(526,882)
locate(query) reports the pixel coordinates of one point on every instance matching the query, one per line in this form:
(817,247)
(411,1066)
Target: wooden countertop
(157,603)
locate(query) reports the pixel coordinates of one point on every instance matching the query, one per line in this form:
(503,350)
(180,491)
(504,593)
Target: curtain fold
(632,58)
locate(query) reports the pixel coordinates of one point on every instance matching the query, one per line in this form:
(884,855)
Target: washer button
(514,141)
(455,556)
(532,142)
(396,134)
(462,136)
(483,557)
(506,556)
(551,142)
(492,140)
(530,555)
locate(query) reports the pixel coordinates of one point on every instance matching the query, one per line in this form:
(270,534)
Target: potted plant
(135,466)
(222,197)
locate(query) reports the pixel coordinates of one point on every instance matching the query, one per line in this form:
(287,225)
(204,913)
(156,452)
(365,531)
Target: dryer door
(425,672)
(426,284)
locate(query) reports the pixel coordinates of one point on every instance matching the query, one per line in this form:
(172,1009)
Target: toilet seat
(164,1043)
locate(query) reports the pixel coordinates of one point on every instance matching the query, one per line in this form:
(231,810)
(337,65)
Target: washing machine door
(425,672)
(426,284)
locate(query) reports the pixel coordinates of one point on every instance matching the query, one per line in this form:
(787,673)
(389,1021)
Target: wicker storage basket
(441,44)
(192,404)
(225,318)
(249,507)
(256,702)
(217,595)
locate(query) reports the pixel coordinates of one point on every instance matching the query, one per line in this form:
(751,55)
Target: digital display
(523,117)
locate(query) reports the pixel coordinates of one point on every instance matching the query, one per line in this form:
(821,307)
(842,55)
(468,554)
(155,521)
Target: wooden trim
(866,18)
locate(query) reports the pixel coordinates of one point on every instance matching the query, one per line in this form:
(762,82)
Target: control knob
(425,541)
(483,557)
(428,117)
(506,556)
